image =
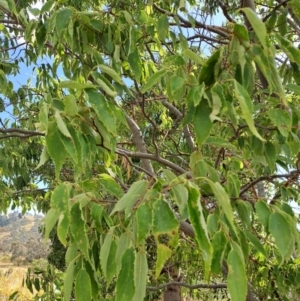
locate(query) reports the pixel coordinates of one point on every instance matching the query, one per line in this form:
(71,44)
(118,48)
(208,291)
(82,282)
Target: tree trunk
(173,292)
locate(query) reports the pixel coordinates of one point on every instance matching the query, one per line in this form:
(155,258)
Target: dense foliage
(160,138)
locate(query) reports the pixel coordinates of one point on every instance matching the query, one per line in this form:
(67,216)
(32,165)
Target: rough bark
(173,292)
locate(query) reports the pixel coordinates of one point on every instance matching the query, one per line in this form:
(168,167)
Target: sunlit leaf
(129,199)
(246,107)
(163,254)
(154,79)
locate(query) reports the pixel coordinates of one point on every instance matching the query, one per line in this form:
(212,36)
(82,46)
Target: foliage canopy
(159,138)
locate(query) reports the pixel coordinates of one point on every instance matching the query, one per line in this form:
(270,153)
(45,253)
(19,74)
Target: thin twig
(189,286)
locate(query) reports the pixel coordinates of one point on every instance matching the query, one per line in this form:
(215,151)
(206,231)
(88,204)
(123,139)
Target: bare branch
(139,144)
(292,174)
(189,286)
(225,12)
(143,155)
(19,133)
(215,29)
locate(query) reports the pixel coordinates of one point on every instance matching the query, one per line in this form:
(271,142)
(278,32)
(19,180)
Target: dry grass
(11,278)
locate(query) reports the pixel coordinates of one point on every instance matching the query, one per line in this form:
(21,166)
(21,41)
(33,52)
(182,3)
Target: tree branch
(214,29)
(225,12)
(139,144)
(266,178)
(144,155)
(189,286)
(19,133)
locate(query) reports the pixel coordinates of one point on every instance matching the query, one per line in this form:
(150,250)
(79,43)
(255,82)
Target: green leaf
(104,253)
(140,275)
(135,64)
(201,235)
(112,264)
(63,17)
(246,107)
(77,229)
(294,88)
(219,246)
(103,111)
(256,243)
(179,192)
(124,243)
(282,120)
(237,279)
(48,6)
(212,223)
(219,142)
(126,275)
(153,80)
(222,200)
(218,99)
(241,32)
(96,213)
(244,210)
(282,24)
(176,83)
(50,221)
(68,280)
(112,73)
(263,211)
(63,228)
(69,147)
(190,54)
(270,153)
(70,84)
(211,70)
(97,24)
(60,198)
(128,200)
(233,185)
(162,27)
(163,254)
(144,221)
(55,147)
(281,230)
(271,21)
(72,253)
(71,107)
(106,88)
(202,122)
(4,4)
(110,185)
(44,158)
(289,49)
(195,95)
(164,220)
(83,287)
(43,116)
(258,26)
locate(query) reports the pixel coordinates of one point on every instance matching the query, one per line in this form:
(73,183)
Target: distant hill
(20,237)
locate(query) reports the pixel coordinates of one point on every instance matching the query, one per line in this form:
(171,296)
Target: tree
(166,143)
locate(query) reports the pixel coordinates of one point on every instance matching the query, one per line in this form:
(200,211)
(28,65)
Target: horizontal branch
(267,178)
(216,29)
(189,286)
(21,131)
(152,157)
